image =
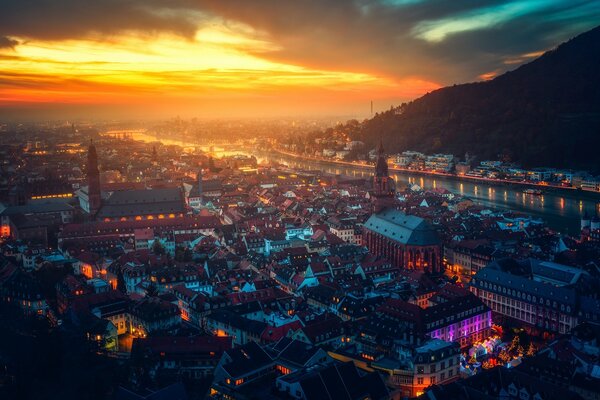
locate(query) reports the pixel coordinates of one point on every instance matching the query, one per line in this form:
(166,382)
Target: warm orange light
(220,333)
(222,66)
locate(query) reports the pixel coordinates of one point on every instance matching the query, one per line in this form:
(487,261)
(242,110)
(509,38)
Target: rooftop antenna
(371,108)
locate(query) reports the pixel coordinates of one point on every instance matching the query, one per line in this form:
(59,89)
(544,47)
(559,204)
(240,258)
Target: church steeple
(199,179)
(384,187)
(93,177)
(381,169)
(154,155)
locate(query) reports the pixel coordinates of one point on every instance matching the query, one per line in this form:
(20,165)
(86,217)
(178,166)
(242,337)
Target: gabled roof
(246,359)
(175,391)
(339,381)
(495,277)
(329,328)
(41,208)
(403,228)
(294,351)
(141,202)
(237,321)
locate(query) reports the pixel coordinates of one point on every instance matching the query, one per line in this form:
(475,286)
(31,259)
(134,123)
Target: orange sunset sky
(151,58)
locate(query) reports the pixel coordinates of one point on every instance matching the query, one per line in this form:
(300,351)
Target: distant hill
(544,113)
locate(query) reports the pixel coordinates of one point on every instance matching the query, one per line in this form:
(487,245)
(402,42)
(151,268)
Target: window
(432,380)
(419,381)
(432,368)
(420,370)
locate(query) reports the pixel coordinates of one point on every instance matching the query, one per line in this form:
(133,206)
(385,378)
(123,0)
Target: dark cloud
(379,35)
(375,36)
(68,19)
(6,42)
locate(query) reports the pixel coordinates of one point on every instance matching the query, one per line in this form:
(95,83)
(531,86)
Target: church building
(127,205)
(408,241)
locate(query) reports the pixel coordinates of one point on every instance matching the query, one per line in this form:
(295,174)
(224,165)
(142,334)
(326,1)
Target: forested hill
(545,113)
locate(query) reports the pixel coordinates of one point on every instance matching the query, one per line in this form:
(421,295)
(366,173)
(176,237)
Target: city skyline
(309,200)
(198,59)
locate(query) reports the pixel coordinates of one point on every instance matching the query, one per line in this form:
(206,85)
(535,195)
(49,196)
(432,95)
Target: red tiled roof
(97,228)
(273,334)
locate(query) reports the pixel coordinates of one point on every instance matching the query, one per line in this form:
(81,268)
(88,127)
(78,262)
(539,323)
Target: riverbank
(561,209)
(566,191)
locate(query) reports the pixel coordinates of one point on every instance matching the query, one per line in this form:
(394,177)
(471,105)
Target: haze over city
(299,200)
(150,59)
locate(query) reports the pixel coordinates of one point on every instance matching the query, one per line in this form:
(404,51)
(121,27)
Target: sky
(261,58)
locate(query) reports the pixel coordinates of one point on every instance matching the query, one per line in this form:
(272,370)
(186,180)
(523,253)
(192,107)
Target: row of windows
(459,316)
(503,303)
(442,376)
(564,325)
(433,367)
(524,296)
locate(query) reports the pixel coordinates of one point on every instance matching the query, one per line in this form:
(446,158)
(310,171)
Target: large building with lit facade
(540,294)
(462,319)
(435,362)
(127,205)
(103,234)
(407,241)
(143,204)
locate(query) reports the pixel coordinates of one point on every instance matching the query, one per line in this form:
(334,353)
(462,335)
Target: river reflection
(562,211)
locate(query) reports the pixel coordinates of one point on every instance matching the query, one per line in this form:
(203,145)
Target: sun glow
(218,63)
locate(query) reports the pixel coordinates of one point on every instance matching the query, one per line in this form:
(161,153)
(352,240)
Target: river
(561,210)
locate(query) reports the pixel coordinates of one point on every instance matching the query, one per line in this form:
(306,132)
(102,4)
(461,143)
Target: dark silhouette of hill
(544,113)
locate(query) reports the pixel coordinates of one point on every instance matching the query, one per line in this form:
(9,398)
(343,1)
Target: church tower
(93,177)
(199,179)
(384,187)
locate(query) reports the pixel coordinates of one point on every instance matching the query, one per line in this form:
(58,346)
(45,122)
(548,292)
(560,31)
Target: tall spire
(380,149)
(92,165)
(381,168)
(93,177)
(384,187)
(199,179)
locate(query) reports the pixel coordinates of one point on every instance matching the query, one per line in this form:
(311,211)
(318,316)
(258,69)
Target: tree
(515,344)
(504,356)
(531,350)
(520,350)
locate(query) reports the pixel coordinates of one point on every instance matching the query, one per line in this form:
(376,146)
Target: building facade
(532,299)
(408,241)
